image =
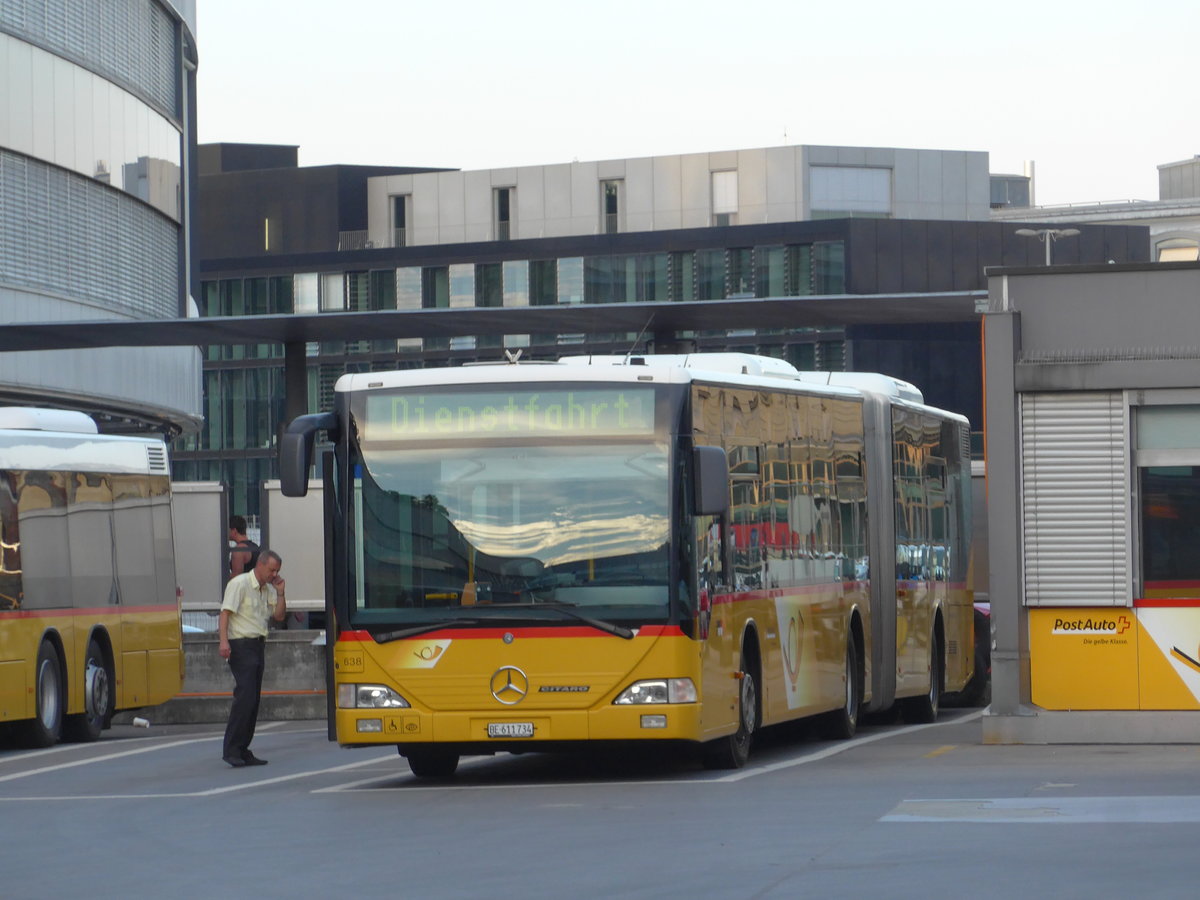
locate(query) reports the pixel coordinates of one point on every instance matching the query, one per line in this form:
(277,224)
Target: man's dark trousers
(247,659)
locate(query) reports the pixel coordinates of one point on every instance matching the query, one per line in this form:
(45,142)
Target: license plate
(510,729)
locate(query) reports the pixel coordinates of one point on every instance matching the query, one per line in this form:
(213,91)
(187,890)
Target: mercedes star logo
(509,685)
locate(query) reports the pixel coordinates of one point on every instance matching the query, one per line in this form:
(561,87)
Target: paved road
(899,812)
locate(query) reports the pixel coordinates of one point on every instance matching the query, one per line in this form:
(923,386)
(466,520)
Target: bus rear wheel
(430,762)
(925,708)
(732,751)
(86,726)
(842,724)
(45,729)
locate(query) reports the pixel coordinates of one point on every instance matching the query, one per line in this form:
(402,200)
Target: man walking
(243,555)
(251,600)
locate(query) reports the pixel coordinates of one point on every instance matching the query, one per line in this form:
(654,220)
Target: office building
(96,135)
(776,222)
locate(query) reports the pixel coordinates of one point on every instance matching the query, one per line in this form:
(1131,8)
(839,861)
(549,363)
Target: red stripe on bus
(1166,602)
(264,693)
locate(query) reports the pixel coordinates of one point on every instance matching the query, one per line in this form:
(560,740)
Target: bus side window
(10,545)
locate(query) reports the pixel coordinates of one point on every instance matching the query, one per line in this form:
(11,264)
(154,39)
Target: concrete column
(1010,634)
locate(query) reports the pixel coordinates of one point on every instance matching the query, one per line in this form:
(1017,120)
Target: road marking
(293,777)
(95,759)
(210,792)
(1051,810)
(841,748)
(741,775)
(940,750)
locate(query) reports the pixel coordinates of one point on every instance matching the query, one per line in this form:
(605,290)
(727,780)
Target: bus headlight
(369,696)
(659,690)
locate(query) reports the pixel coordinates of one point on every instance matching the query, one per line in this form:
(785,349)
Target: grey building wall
(774,184)
(1179,180)
(95,133)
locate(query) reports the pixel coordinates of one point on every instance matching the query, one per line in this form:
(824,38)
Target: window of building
(652,277)
(710,274)
(401,208)
(829,268)
(543,282)
(740,272)
(683,275)
(611,206)
(462,286)
(725,197)
(1168,469)
(838,192)
(1009,191)
(771,272)
(606,279)
(1177,250)
(382,289)
(502,212)
(358,291)
(409,287)
(409,291)
(489,285)
(279,295)
(307,292)
(333,292)
(435,287)
(516,282)
(570,280)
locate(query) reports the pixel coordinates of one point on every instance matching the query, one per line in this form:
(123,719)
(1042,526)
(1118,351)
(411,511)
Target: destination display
(581,412)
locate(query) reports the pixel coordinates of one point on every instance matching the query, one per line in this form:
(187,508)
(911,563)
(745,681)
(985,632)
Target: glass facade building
(95,140)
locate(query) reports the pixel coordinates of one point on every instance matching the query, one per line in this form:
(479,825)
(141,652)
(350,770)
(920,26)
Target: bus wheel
(97,699)
(46,728)
(925,708)
(843,723)
(731,752)
(427,762)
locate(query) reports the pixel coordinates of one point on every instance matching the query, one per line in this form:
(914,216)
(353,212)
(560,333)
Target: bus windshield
(521,530)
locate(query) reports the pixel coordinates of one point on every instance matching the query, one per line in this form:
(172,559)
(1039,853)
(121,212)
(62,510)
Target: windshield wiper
(389,636)
(565,608)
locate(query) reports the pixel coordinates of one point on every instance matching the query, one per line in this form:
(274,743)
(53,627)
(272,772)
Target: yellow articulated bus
(647,548)
(89,612)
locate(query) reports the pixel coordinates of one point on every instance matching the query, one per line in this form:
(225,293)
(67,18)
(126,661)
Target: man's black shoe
(235,761)
(249,759)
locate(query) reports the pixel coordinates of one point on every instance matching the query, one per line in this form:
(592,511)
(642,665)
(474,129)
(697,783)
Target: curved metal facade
(96,134)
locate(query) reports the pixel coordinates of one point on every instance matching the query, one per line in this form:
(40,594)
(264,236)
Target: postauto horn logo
(1091,625)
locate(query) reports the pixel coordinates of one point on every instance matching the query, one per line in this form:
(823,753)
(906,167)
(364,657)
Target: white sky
(1097,93)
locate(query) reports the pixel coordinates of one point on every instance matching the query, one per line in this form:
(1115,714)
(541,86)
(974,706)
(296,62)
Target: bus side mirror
(296,451)
(711,482)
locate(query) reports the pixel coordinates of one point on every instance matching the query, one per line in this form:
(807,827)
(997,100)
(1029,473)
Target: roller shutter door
(1075,499)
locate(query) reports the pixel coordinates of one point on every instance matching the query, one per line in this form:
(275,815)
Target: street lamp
(1048,236)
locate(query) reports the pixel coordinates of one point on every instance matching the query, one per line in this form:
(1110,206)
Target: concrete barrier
(293,683)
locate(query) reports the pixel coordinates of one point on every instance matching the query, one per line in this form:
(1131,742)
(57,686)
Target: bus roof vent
(30,418)
(156,459)
(868,381)
(725,363)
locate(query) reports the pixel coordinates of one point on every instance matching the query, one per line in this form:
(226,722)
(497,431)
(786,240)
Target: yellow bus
(646,548)
(89,611)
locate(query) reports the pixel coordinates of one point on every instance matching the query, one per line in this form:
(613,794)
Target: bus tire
(924,709)
(86,726)
(430,762)
(732,751)
(45,728)
(842,724)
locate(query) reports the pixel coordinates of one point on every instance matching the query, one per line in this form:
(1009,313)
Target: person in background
(244,554)
(251,600)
